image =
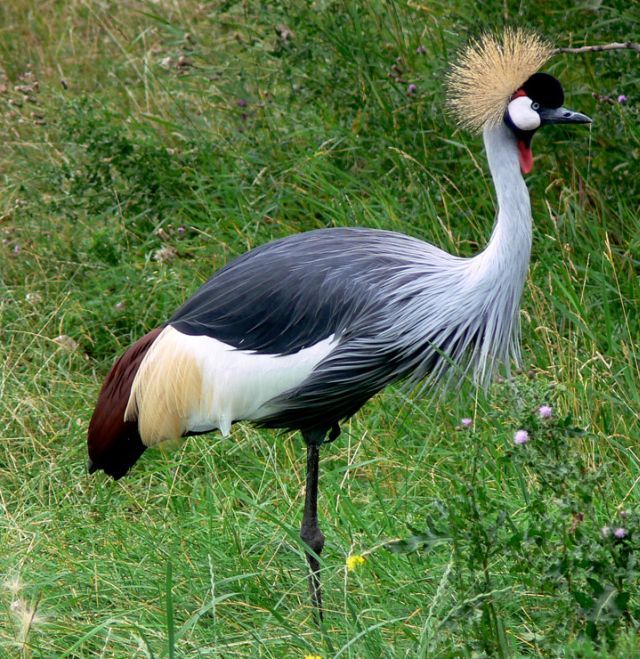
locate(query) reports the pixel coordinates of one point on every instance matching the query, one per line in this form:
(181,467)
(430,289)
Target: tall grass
(146,144)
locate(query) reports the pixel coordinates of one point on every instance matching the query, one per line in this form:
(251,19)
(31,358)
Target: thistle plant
(553,540)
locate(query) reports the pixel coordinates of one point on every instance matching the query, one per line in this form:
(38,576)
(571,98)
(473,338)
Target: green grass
(196,552)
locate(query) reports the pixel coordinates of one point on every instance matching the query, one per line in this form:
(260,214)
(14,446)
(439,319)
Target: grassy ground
(144,145)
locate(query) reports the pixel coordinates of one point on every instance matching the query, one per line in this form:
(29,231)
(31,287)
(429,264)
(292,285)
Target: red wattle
(526,157)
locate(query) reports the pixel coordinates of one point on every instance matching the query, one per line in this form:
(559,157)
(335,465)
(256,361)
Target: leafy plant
(552,540)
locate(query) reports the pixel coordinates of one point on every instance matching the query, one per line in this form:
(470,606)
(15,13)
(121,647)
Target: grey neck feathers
(501,269)
(511,238)
(464,314)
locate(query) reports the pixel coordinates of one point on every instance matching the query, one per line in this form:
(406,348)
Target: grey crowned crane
(299,333)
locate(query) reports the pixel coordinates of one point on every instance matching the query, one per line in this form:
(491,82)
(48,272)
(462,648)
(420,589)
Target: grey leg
(310,532)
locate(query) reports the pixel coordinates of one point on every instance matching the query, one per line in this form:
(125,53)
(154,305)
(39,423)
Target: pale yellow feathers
(488,73)
(167,388)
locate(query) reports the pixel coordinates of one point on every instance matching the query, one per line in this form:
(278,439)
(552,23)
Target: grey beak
(562,116)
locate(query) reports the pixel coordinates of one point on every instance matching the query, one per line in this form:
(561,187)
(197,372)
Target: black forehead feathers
(544,89)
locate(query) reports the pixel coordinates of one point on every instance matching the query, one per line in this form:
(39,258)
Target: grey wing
(291,294)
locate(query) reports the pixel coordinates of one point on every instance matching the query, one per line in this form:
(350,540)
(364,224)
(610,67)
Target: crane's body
(299,333)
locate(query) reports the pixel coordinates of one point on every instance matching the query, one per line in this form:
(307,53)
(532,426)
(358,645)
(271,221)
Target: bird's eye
(535,106)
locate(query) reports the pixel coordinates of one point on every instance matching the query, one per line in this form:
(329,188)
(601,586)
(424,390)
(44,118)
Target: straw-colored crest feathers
(488,73)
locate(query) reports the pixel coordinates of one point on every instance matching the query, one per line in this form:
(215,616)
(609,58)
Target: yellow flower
(354,561)
(312,656)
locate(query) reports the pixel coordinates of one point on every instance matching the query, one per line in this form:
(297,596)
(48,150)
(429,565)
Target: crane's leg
(310,532)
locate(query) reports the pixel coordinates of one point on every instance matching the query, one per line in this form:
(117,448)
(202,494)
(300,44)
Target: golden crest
(489,71)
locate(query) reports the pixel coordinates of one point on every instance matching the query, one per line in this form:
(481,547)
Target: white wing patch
(197,383)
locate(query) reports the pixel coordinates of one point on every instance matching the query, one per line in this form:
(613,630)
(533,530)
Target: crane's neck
(509,248)
(498,273)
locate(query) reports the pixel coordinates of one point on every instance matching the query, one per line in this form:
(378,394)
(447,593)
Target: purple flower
(545,411)
(521,437)
(412,89)
(16,249)
(421,50)
(620,532)
(242,103)
(622,99)
(466,423)
(181,230)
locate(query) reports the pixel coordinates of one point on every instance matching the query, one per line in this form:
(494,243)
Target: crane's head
(497,80)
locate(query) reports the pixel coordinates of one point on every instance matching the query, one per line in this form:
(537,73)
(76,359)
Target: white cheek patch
(522,115)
